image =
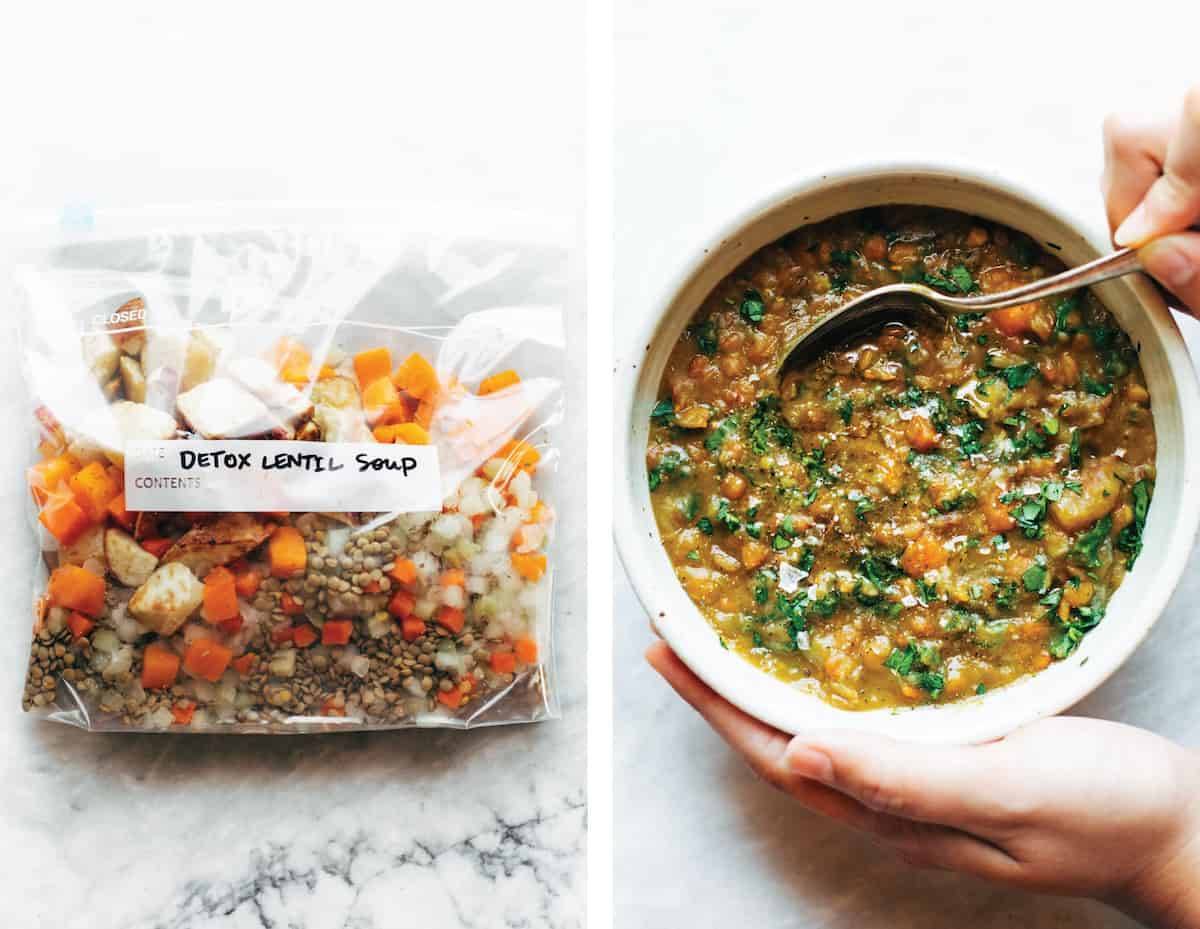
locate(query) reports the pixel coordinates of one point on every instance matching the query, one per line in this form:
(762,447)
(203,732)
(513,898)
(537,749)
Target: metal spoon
(906,301)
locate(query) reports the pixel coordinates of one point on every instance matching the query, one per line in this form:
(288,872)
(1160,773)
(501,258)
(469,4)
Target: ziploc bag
(292,477)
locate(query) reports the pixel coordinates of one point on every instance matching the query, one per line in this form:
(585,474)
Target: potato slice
(223,409)
(89,546)
(199,362)
(167,599)
(133,379)
(282,399)
(217,542)
(129,563)
(138,421)
(126,326)
(1098,495)
(100,354)
(337,410)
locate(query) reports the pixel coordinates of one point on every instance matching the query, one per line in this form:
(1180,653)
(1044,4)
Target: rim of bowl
(719,669)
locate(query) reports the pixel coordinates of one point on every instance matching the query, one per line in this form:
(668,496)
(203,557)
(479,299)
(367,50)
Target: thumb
(1174,261)
(1173,201)
(927,783)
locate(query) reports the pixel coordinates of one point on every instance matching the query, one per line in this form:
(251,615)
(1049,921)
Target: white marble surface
(145,103)
(717,104)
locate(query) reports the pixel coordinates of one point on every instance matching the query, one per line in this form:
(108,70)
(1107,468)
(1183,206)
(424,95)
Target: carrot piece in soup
(286,552)
(417,377)
(220,596)
(76,588)
(371,365)
(489,385)
(160,666)
(526,650)
(206,659)
(337,631)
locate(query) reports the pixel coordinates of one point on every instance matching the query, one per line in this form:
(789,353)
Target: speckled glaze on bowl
(1170,528)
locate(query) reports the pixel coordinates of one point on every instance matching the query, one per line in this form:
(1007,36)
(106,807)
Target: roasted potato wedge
(89,546)
(167,599)
(100,354)
(133,380)
(129,563)
(217,542)
(138,421)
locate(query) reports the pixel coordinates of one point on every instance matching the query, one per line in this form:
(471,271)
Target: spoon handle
(1102,269)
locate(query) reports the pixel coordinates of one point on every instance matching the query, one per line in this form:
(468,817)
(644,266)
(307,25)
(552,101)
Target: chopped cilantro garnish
(706,337)
(752,308)
(1094,387)
(1130,538)
(846,410)
(1086,550)
(716,438)
(669,465)
(663,413)
(727,519)
(704,524)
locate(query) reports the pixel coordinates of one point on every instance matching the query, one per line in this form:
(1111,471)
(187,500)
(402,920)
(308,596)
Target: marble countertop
(402,830)
(718,103)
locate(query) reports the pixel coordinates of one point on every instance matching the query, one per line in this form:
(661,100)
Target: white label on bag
(243,475)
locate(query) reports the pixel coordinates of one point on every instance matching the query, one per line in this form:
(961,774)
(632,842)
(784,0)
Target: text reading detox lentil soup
(925,511)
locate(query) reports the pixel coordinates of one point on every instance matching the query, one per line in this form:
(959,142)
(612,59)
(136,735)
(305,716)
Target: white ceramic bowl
(1170,527)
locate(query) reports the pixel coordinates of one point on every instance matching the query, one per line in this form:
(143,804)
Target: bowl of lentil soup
(938,531)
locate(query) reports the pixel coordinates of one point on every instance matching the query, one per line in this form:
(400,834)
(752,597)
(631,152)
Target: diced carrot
(754,553)
(304,636)
(385,433)
(289,605)
(244,664)
(401,604)
(998,518)
(183,712)
(526,650)
(117,476)
(290,353)
(452,619)
(286,552)
(372,587)
(380,394)
(489,385)
(282,633)
(504,662)
(337,631)
(399,412)
(160,666)
(50,474)
(451,698)
(530,565)
(231,626)
(409,434)
(412,628)
(79,625)
(247,582)
(326,373)
(540,513)
(63,517)
(423,416)
(404,571)
(924,553)
(417,377)
(121,516)
(94,490)
(206,659)
(157,547)
(1014,320)
(520,454)
(920,434)
(455,577)
(220,595)
(76,588)
(295,375)
(371,365)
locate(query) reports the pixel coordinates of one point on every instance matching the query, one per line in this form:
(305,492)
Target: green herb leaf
(663,413)
(1086,550)
(752,308)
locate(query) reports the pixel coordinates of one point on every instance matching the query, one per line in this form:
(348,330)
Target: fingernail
(1135,229)
(1169,263)
(810,762)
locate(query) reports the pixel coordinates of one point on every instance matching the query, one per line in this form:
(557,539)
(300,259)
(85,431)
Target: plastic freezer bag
(292,478)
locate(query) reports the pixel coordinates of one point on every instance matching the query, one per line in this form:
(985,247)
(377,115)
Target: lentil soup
(924,512)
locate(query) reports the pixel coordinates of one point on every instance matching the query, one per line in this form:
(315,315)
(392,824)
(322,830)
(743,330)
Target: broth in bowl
(925,511)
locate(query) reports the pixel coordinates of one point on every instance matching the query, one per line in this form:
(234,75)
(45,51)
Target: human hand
(1151,187)
(1066,805)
